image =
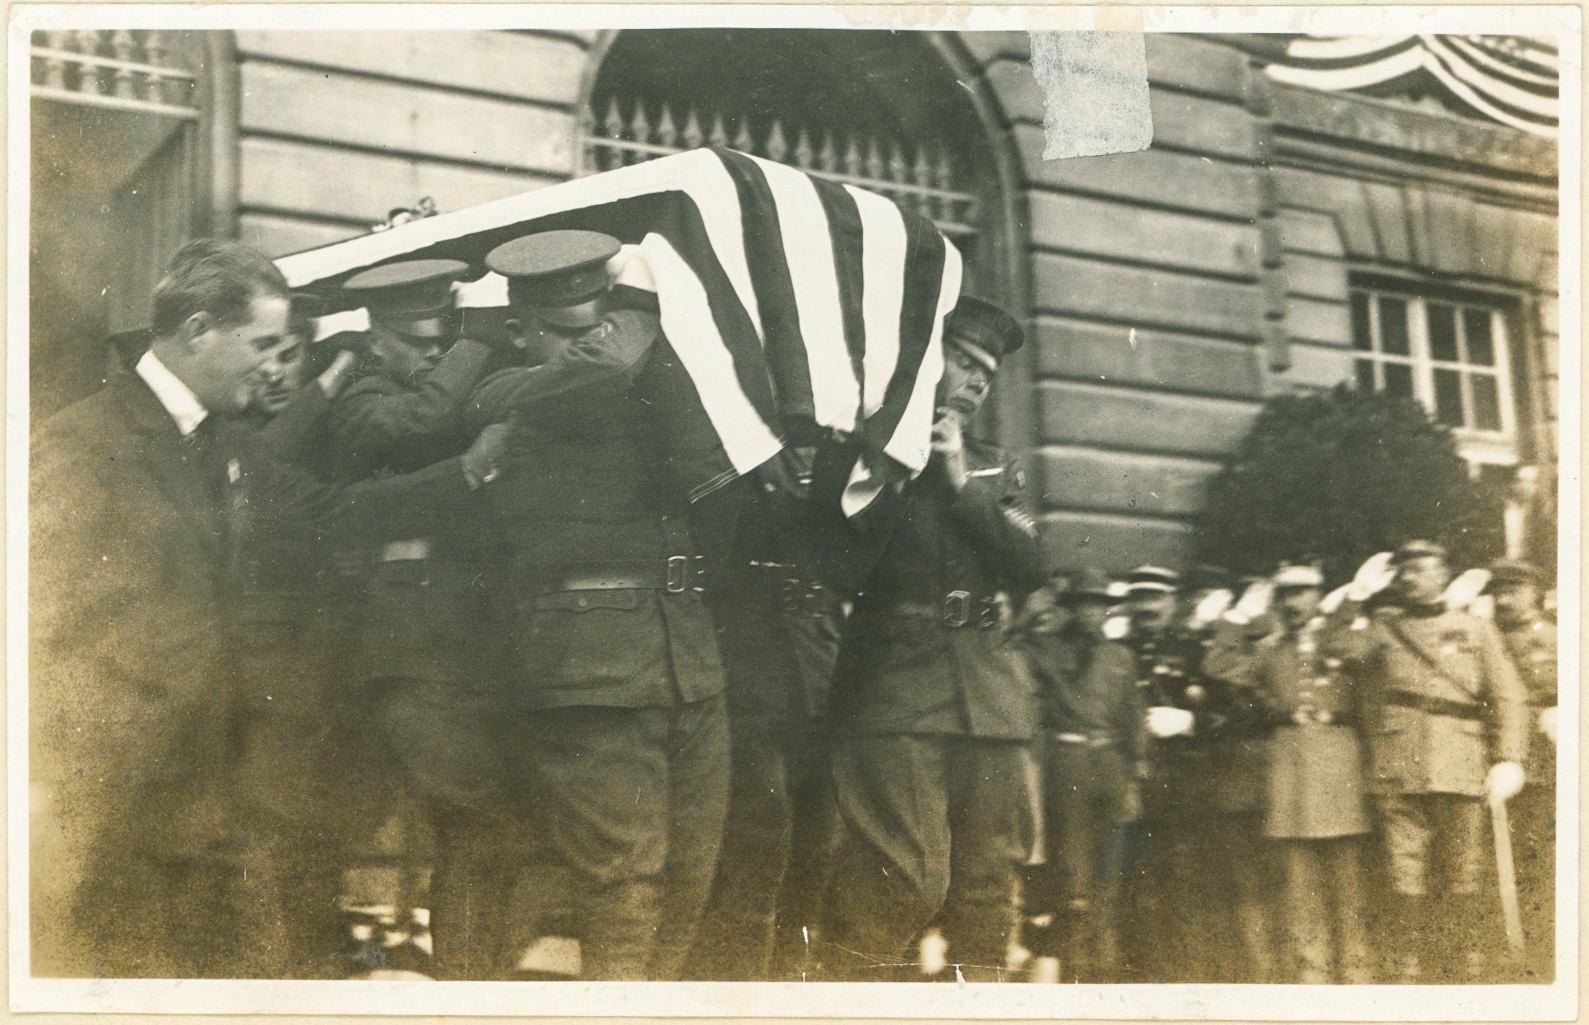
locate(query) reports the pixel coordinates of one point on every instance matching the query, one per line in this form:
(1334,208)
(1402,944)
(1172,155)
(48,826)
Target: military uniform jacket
(1443,702)
(1086,686)
(1315,770)
(427,614)
(1532,648)
(901,669)
(126,693)
(586,496)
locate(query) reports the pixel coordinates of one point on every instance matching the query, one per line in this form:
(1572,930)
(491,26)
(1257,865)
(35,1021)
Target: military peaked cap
(1299,576)
(982,328)
(412,297)
(1145,579)
(1511,573)
(553,269)
(1411,550)
(1088,583)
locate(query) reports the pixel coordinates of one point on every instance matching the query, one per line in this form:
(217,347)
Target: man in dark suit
(130,850)
(931,713)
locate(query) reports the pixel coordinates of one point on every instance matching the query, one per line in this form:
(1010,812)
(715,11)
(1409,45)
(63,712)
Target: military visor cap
(1411,550)
(1298,577)
(1087,584)
(412,297)
(1152,580)
(1509,574)
(554,269)
(983,330)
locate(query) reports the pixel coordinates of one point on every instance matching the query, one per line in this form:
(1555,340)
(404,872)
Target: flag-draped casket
(802,309)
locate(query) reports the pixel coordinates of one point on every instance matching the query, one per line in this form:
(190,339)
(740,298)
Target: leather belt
(675,575)
(1093,740)
(1435,706)
(957,609)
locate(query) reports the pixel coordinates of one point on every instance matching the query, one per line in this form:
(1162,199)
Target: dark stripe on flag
(785,351)
(844,223)
(924,263)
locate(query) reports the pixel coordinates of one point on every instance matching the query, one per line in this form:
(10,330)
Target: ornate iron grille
(926,177)
(121,69)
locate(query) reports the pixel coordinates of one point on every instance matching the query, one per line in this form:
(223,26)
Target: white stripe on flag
(1341,47)
(808,250)
(882,293)
(1480,101)
(1490,85)
(490,290)
(698,173)
(687,321)
(337,323)
(1355,77)
(911,442)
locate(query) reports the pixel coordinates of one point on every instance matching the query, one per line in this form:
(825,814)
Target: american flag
(1515,80)
(798,306)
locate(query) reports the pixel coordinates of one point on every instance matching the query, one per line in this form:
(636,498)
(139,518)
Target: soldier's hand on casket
(1167,721)
(1547,722)
(1504,782)
(1372,577)
(482,461)
(948,449)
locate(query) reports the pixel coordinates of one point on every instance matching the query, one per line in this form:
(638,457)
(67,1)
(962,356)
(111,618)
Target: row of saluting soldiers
(1292,786)
(732,739)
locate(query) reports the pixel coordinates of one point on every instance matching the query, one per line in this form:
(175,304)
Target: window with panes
(1448,352)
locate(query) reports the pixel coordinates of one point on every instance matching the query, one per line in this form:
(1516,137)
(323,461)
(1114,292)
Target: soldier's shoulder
(375,386)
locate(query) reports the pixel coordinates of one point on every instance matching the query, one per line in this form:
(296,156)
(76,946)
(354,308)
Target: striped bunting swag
(798,306)
(1515,80)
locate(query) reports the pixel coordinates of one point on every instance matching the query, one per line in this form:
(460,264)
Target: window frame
(1478,445)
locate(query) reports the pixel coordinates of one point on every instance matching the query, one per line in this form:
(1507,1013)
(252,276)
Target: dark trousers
(779,664)
(1088,801)
(932,829)
(630,804)
(446,741)
(1438,855)
(1324,894)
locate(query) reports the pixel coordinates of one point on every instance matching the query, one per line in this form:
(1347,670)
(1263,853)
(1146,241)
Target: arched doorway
(893,112)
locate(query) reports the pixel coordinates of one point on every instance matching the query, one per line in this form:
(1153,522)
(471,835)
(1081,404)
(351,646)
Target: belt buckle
(957,608)
(678,573)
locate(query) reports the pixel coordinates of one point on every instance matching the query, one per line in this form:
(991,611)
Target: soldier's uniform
(1094,743)
(620,739)
(931,716)
(1442,704)
(310,777)
(779,639)
(1531,643)
(1167,935)
(426,634)
(1314,801)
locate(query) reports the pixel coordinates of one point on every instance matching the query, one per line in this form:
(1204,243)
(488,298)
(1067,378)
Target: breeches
(630,804)
(933,826)
(1434,840)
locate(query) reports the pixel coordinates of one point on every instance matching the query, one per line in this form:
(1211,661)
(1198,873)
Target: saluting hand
(948,448)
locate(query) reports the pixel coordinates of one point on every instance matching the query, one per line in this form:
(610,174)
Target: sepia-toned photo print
(1065,508)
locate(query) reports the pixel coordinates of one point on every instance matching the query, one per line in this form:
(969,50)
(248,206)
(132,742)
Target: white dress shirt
(178,399)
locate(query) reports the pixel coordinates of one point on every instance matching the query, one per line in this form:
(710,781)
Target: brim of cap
(976,352)
(1149,588)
